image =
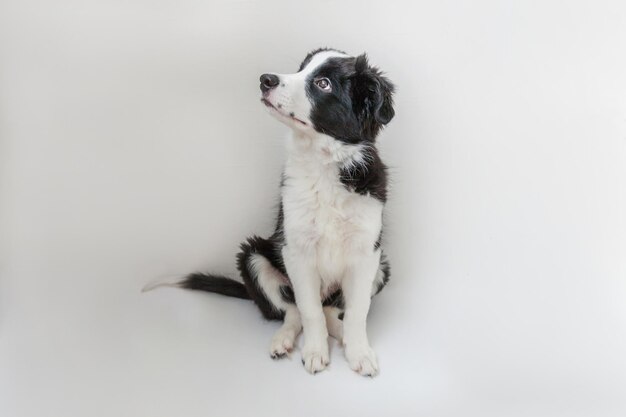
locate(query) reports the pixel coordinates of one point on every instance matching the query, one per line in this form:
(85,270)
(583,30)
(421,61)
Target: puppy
(319,269)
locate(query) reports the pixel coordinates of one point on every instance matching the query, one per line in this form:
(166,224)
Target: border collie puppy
(319,269)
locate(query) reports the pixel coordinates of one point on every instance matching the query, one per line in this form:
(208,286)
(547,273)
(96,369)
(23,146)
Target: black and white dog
(324,262)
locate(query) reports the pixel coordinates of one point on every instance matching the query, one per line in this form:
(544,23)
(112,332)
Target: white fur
(163,281)
(270,279)
(330,232)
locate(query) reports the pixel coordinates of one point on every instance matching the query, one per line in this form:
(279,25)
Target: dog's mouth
(277,110)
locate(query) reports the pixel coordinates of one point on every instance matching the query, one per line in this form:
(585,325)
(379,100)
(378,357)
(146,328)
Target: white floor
(95,346)
(133,145)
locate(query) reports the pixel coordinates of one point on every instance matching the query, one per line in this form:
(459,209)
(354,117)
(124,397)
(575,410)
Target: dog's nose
(269,81)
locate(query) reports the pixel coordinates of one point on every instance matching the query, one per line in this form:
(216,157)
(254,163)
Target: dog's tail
(205,282)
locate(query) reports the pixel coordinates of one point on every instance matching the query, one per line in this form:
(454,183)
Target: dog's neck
(320,149)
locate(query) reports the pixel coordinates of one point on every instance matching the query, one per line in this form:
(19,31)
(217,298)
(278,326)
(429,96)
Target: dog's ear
(373,95)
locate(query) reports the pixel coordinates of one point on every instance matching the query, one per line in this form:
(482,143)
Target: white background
(133,145)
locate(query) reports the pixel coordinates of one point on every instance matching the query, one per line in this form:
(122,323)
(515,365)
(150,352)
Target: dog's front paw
(315,358)
(362,360)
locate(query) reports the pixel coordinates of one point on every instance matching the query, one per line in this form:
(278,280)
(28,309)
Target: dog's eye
(324,84)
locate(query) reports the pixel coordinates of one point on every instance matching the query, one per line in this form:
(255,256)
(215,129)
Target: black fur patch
(367,178)
(359,104)
(379,241)
(335,299)
(286,293)
(215,283)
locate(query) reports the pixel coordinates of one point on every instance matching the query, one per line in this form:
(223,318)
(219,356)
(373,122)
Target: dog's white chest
(326,221)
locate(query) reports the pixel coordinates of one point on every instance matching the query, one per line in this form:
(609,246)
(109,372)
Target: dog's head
(332,93)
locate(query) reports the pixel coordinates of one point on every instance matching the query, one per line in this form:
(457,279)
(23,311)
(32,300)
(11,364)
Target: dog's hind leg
(285,337)
(272,283)
(260,266)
